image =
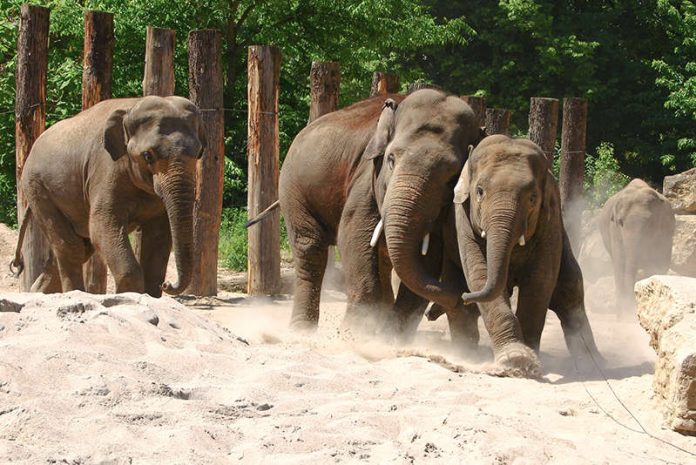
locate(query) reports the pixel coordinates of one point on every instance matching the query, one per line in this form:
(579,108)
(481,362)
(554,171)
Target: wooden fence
(206,91)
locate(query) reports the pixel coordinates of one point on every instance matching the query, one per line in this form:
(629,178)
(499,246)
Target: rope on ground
(623,405)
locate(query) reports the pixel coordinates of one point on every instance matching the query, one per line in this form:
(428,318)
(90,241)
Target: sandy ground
(223,381)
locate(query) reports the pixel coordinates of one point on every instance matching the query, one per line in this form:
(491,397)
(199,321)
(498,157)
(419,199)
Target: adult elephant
(375,164)
(509,233)
(637,227)
(93,178)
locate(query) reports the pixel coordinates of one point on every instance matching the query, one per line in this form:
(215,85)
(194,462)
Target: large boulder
(667,311)
(680,190)
(684,247)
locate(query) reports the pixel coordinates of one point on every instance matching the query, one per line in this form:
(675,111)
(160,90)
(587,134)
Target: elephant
(375,178)
(91,179)
(507,229)
(637,227)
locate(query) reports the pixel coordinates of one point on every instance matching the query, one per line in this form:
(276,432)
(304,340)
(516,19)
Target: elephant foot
(304,327)
(434,312)
(518,361)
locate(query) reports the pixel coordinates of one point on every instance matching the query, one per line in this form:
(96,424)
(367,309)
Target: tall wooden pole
(324,83)
(97,64)
(30,114)
(158,79)
(263,155)
(384,83)
(497,121)
(478,104)
(159,62)
(573,166)
(205,89)
(543,124)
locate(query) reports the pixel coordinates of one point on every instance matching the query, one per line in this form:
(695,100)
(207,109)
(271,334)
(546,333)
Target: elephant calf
(510,233)
(637,227)
(93,178)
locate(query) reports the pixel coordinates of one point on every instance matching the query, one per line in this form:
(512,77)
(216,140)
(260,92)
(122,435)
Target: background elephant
(637,227)
(391,164)
(93,178)
(509,233)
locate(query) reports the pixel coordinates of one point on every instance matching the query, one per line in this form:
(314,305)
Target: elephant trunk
(407,206)
(177,192)
(503,229)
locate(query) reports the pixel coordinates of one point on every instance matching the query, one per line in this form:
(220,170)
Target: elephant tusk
(483,234)
(377,232)
(521,241)
(425,244)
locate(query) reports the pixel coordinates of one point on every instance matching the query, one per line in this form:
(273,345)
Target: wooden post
(30,114)
(158,79)
(97,63)
(543,124)
(205,90)
(324,82)
(263,155)
(497,121)
(159,62)
(478,104)
(384,83)
(573,166)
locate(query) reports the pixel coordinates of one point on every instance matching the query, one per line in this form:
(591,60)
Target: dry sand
(223,381)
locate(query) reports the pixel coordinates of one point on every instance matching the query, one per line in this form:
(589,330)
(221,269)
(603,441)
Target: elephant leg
(361,264)
(156,245)
(622,271)
(309,244)
(532,304)
(110,238)
(568,302)
(463,325)
(69,250)
(48,282)
(405,315)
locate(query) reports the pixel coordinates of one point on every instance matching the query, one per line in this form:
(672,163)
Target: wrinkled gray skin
(349,168)
(507,190)
(637,227)
(93,178)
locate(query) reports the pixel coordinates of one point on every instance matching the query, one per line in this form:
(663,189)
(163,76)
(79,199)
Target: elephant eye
(149,157)
(390,161)
(479,191)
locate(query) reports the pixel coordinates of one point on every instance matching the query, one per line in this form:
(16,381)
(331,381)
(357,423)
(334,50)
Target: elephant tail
(17,265)
(263,214)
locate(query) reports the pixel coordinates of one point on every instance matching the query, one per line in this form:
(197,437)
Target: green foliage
(233,245)
(602,176)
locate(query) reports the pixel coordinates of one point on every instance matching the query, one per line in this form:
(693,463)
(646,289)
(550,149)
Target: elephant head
(504,192)
(162,139)
(418,150)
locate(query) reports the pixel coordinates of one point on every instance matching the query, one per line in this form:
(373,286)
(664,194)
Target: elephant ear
(385,128)
(461,190)
(115,136)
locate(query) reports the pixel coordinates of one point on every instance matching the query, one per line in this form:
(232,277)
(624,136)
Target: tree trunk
(263,155)
(573,166)
(96,86)
(159,62)
(206,91)
(30,114)
(498,121)
(384,83)
(324,82)
(478,104)
(543,124)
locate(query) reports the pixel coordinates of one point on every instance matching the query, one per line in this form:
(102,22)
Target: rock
(150,316)
(680,190)
(667,311)
(10,306)
(684,246)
